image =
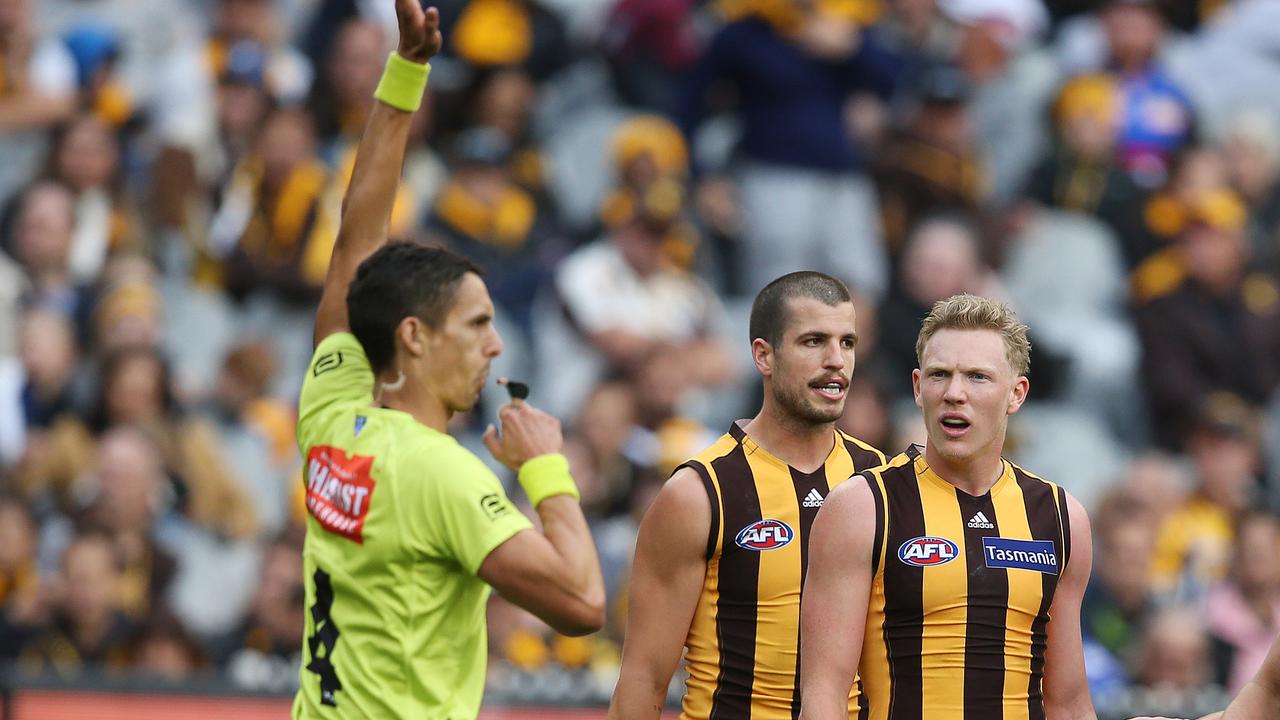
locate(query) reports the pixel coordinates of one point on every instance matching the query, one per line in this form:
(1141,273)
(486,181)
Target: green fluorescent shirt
(399,519)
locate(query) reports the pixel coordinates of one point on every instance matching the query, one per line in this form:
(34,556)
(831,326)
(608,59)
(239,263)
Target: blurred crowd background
(630,173)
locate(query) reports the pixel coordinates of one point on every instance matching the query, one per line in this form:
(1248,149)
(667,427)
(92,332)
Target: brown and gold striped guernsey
(742,649)
(961,594)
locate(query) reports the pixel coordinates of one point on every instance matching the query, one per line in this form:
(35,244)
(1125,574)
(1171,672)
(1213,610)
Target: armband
(547,475)
(402,83)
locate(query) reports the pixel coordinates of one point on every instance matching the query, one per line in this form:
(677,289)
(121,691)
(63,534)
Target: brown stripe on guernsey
(739,578)
(713,496)
(1046,524)
(988,594)
(1065,530)
(904,595)
(820,481)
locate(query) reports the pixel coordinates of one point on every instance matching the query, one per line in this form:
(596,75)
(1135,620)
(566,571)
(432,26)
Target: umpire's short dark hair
(769,311)
(398,280)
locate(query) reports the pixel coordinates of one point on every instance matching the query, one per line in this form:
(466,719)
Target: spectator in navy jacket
(805,198)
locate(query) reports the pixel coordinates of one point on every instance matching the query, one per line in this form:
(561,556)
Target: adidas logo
(981,521)
(813,499)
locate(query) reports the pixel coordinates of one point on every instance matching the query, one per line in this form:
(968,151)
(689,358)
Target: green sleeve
(464,512)
(339,376)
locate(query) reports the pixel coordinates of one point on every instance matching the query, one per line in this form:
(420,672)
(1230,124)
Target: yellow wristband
(545,476)
(402,83)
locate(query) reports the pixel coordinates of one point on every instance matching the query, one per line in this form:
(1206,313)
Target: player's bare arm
(1260,698)
(833,612)
(666,580)
(1066,688)
(554,574)
(366,208)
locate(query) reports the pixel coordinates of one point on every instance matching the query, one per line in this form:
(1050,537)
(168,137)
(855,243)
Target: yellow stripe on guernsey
(1025,592)
(777,609)
(943,638)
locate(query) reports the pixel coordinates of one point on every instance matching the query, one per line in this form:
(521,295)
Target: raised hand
(420,37)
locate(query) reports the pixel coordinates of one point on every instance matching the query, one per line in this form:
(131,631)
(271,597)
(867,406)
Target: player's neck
(803,446)
(974,475)
(415,399)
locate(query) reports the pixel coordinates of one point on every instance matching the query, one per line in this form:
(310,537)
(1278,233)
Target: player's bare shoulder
(851,498)
(848,516)
(681,503)
(675,530)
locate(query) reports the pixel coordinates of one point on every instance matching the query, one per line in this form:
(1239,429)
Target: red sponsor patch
(339,490)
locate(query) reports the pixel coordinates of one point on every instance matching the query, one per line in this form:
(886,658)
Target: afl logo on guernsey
(928,551)
(764,535)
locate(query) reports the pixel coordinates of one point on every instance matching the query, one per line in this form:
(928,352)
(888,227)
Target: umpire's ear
(411,336)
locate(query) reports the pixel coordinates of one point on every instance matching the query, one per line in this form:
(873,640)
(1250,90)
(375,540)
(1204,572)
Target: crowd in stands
(629,173)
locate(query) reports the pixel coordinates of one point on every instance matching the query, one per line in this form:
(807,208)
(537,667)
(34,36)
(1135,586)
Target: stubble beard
(799,411)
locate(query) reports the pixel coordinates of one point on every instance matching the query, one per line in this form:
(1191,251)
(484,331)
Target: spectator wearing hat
(1218,330)
(96,49)
(484,214)
(804,194)
(626,301)
(648,149)
(1080,173)
(1197,173)
(488,34)
(931,165)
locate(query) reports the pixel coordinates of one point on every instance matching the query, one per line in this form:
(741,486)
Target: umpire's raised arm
(366,209)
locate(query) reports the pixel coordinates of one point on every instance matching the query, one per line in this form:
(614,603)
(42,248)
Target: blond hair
(971,312)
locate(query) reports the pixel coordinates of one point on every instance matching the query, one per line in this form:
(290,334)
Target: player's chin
(826,413)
